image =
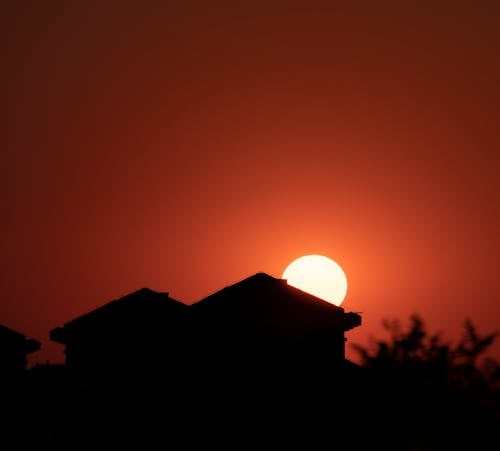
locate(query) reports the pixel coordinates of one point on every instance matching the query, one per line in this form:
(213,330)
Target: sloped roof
(134,310)
(11,337)
(10,334)
(262,298)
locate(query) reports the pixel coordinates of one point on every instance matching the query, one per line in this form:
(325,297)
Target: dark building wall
(13,361)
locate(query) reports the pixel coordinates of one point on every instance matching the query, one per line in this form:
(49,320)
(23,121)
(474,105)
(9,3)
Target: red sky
(185,147)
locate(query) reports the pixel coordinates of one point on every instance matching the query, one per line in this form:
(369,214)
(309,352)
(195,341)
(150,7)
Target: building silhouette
(144,367)
(256,364)
(137,335)
(260,321)
(263,319)
(14,350)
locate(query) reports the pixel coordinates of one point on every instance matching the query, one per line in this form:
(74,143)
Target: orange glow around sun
(318,275)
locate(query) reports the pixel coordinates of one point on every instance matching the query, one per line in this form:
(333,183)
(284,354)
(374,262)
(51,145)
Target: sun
(318,275)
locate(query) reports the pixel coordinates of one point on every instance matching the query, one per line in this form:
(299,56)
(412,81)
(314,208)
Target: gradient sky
(186,146)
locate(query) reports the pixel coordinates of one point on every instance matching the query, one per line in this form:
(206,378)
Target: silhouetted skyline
(258,361)
(246,348)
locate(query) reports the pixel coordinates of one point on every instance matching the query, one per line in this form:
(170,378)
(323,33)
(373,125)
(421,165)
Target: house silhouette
(271,358)
(258,322)
(14,349)
(263,319)
(14,393)
(133,336)
(245,361)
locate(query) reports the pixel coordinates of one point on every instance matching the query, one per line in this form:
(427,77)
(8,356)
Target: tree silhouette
(434,394)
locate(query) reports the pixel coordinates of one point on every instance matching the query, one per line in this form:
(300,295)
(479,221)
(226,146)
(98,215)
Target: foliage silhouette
(434,394)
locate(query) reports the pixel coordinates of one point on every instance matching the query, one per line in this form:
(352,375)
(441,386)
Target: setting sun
(318,275)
